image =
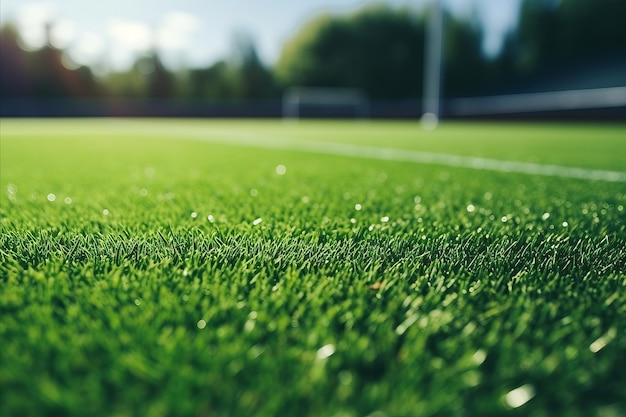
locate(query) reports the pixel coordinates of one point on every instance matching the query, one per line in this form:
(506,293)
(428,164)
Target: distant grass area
(145,271)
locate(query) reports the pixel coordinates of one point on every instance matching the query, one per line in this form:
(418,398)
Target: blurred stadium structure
(379,62)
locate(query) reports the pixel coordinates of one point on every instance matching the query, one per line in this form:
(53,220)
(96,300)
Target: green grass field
(261,268)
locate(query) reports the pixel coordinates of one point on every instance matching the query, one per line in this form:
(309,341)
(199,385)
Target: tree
(214,83)
(161,83)
(378,49)
(566,32)
(252,80)
(40,73)
(15,80)
(465,67)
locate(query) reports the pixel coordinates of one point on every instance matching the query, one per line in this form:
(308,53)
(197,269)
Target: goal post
(432,66)
(298,102)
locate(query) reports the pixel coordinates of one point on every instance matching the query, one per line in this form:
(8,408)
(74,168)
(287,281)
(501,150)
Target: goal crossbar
(295,98)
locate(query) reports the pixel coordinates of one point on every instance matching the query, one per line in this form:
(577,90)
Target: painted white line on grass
(228,137)
(405,155)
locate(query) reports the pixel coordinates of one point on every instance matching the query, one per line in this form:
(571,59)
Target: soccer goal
(577,99)
(299,102)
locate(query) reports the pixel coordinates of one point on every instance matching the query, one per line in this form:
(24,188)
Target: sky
(197,33)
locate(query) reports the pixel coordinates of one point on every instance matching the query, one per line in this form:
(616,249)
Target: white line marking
(227,137)
(405,155)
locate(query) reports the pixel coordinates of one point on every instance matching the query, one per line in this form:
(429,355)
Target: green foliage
(44,74)
(464,66)
(136,279)
(40,73)
(378,49)
(568,32)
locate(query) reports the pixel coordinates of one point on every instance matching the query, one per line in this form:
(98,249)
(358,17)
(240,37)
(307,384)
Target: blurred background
(245,58)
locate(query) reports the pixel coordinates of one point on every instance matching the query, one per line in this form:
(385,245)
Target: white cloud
(31,22)
(131,35)
(63,33)
(176,31)
(128,39)
(89,49)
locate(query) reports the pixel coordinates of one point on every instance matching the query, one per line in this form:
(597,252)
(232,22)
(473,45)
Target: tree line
(378,49)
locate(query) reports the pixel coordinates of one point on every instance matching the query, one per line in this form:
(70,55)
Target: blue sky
(198,32)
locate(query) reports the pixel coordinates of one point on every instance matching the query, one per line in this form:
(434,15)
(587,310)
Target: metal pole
(432,66)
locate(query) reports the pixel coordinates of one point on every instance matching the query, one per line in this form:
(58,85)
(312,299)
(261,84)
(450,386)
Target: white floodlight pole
(432,66)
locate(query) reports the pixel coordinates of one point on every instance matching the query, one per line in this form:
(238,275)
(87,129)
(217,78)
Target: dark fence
(407,109)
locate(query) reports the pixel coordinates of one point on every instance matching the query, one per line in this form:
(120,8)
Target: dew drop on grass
(105,212)
(67,200)
(384,219)
(143,192)
(51,197)
(305,199)
(469,328)
(353,220)
(565,224)
(254,192)
(479,357)
(194,214)
(325,351)
(357,207)
(257,221)
(601,342)
(519,396)
(471,208)
(249,326)
(210,218)
(201,324)
(281,169)
(545,216)
(504,219)
(11,189)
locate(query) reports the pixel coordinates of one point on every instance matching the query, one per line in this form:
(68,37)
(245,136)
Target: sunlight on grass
(142,274)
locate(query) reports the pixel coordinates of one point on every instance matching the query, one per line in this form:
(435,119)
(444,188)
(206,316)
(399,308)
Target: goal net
(313,102)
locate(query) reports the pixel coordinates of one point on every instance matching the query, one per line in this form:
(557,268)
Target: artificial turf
(153,268)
